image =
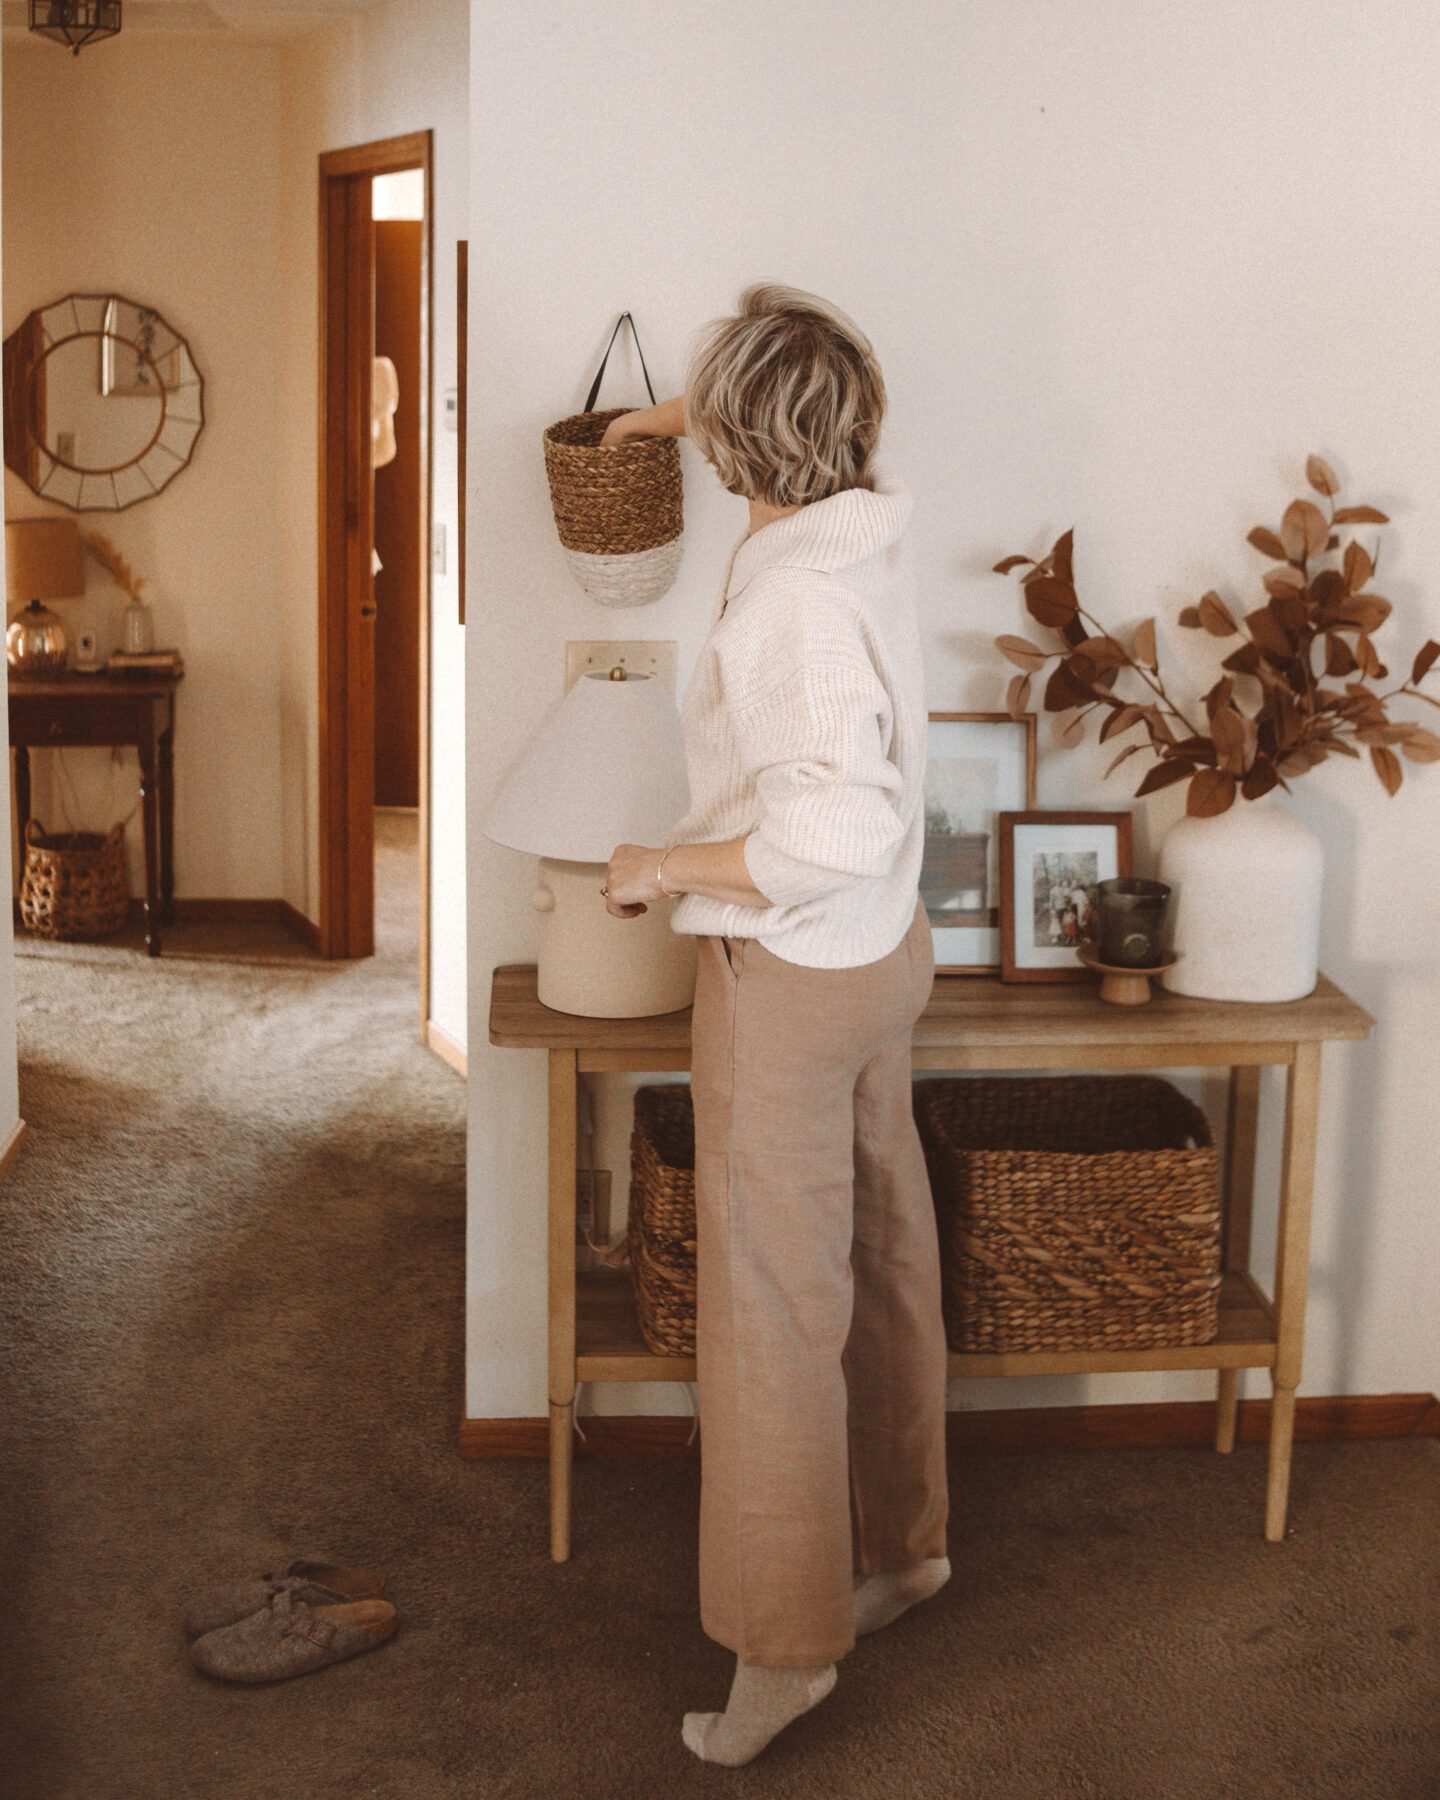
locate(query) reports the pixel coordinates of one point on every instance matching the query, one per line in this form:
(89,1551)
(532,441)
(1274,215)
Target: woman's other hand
(716,870)
(630,883)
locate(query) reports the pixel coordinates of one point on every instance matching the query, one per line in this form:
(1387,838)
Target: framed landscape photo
(1051,864)
(978,765)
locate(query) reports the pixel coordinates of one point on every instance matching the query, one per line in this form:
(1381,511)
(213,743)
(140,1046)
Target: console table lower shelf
(609,1347)
(974,1024)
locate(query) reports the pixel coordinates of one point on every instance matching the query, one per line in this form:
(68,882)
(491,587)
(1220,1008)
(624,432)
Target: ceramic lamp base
(600,967)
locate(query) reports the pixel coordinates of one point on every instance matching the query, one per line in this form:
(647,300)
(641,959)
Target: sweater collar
(827,535)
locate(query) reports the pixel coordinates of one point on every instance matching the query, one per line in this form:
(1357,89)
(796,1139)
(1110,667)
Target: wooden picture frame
(1054,961)
(966,939)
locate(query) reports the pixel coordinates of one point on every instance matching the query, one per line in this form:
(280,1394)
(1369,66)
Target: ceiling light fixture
(75,22)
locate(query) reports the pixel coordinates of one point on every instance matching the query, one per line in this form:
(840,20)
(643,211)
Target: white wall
(151,167)
(398,68)
(1124,266)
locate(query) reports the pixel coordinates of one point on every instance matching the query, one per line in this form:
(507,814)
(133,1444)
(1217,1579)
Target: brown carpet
(230,1286)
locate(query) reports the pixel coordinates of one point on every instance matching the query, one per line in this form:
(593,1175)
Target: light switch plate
(638,656)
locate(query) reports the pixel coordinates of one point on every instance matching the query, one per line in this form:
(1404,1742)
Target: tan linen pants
(820,1347)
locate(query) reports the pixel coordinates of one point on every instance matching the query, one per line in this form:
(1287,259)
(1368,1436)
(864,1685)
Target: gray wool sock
(762,1703)
(879,1599)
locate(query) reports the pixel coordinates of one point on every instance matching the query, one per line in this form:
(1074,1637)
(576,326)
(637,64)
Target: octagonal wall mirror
(103,402)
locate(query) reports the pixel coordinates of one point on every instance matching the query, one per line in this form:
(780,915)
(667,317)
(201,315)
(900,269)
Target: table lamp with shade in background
(42,562)
(607,767)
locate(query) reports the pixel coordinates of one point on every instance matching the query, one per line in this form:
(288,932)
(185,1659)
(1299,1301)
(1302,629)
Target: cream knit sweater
(805,728)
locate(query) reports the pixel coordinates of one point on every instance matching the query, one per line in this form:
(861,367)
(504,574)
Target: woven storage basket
(618,510)
(73,884)
(661,1228)
(1078,1213)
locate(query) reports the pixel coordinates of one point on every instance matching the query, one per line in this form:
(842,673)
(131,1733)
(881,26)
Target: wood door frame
(346,787)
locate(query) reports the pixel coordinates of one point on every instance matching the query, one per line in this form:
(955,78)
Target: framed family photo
(1051,864)
(978,765)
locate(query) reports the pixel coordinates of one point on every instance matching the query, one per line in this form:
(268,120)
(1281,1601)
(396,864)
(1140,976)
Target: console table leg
(1277,1479)
(562,1434)
(1241,1123)
(564,1097)
(1227,1407)
(1292,1259)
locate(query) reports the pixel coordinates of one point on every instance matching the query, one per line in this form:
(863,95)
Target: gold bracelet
(660,877)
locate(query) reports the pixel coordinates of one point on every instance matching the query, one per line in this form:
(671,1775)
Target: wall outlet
(638,656)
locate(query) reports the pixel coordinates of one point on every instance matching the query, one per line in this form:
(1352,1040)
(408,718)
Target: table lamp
(607,767)
(42,562)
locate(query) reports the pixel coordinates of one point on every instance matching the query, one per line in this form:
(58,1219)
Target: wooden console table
(978,1023)
(67,709)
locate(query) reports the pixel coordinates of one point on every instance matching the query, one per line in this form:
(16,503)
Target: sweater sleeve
(811,721)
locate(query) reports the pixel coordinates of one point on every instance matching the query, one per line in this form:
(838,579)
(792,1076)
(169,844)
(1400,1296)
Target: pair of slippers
(269,1627)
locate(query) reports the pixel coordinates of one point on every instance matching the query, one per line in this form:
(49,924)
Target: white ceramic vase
(1245,911)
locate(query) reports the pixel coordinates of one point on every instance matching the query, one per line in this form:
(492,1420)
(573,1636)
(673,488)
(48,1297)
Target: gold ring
(606,892)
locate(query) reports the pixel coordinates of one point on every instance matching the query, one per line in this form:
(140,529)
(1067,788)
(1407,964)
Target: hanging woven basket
(74,884)
(618,507)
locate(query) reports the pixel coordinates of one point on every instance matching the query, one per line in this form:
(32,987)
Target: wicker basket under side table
(661,1230)
(73,885)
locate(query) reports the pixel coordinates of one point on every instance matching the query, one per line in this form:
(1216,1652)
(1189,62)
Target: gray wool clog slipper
(309,1578)
(290,1637)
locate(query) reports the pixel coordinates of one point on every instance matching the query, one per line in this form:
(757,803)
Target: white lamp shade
(607,767)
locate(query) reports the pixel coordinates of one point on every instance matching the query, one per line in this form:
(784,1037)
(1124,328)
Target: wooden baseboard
(1163,1425)
(305,929)
(446,1048)
(13,1146)
(637,1434)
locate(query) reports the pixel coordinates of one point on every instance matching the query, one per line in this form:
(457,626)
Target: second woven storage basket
(661,1227)
(1075,1213)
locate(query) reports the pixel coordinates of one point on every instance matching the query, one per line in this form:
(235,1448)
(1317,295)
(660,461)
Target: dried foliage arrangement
(114,564)
(1295,715)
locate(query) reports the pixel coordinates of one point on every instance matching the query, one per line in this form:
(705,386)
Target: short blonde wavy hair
(785,399)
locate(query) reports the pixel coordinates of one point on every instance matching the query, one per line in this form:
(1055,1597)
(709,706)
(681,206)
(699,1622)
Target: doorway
(376,225)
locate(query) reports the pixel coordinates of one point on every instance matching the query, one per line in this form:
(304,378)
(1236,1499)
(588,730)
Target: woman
(820,1348)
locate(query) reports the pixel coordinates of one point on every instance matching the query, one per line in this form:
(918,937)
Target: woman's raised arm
(665,420)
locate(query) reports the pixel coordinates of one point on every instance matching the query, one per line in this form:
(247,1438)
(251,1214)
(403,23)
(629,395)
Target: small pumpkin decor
(618,507)
(1300,684)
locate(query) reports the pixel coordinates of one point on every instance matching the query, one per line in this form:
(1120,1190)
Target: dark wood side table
(67,709)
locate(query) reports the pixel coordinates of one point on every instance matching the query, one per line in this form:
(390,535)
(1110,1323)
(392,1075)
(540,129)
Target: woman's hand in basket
(665,420)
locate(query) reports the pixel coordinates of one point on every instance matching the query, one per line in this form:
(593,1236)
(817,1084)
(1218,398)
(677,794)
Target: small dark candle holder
(1131,932)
